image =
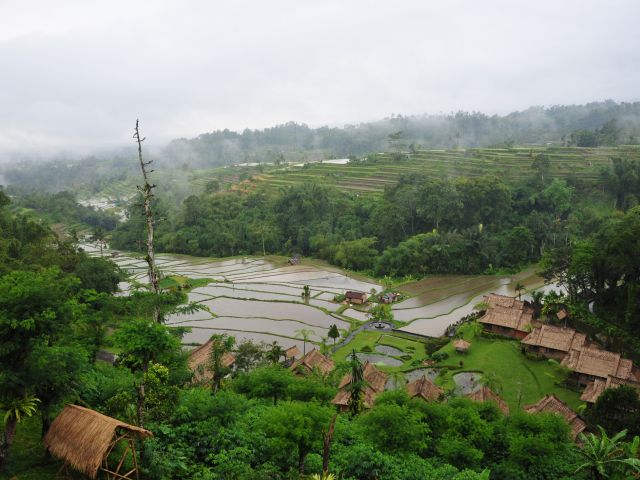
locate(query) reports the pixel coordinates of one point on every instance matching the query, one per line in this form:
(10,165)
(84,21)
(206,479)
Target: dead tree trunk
(147,195)
(326,443)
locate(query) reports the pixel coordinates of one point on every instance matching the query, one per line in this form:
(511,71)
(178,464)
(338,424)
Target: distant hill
(556,125)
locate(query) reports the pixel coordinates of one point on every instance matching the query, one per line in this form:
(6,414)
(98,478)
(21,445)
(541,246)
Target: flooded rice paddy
(261,299)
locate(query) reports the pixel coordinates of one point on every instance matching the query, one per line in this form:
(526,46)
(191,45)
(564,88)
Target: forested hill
(598,123)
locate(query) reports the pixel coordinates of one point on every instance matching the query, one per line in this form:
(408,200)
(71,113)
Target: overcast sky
(75,75)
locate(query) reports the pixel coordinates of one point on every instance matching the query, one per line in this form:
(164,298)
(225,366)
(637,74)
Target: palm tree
(519,288)
(603,455)
(304,334)
(536,302)
(15,411)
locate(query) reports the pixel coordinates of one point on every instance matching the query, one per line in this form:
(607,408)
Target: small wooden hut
(461,346)
(354,297)
(83,439)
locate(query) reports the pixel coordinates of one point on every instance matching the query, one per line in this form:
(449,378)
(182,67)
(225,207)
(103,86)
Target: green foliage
(609,457)
(615,410)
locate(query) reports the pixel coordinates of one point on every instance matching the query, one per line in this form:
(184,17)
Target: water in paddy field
(251,298)
(255,298)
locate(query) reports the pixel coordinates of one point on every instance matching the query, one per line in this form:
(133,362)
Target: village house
(313,360)
(552,404)
(507,316)
(198,359)
(425,389)
(375,382)
(357,298)
(554,342)
(589,364)
(594,389)
(485,394)
(292,352)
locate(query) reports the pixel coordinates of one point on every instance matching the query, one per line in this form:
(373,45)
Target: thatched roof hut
(557,339)
(375,380)
(84,438)
(292,352)
(461,345)
(313,360)
(425,389)
(199,357)
(485,394)
(594,389)
(552,404)
(507,316)
(596,363)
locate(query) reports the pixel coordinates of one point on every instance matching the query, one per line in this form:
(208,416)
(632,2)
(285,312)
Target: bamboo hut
(83,439)
(461,346)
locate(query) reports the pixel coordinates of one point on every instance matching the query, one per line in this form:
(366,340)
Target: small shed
(389,297)
(83,439)
(355,297)
(461,346)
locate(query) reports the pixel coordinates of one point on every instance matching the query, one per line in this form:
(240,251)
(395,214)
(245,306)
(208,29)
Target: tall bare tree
(147,195)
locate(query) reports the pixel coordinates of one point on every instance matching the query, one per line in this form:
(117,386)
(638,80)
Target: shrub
(367,348)
(439,356)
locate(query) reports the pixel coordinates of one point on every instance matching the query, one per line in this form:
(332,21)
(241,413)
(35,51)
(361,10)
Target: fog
(76,75)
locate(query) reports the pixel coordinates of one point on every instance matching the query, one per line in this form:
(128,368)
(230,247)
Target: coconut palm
(304,334)
(604,456)
(519,288)
(16,410)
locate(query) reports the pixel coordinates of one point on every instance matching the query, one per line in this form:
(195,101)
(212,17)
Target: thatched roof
(292,352)
(313,359)
(557,338)
(461,345)
(425,389)
(485,394)
(595,388)
(552,404)
(507,312)
(199,357)
(598,363)
(375,379)
(81,437)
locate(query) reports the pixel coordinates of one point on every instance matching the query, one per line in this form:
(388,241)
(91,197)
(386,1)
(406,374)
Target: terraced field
(372,175)
(260,298)
(252,298)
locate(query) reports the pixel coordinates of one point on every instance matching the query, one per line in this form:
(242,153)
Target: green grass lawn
(514,373)
(371,338)
(27,459)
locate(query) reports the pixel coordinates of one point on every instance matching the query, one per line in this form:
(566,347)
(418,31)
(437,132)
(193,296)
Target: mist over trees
(593,124)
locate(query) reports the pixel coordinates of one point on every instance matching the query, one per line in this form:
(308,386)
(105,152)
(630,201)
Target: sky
(75,75)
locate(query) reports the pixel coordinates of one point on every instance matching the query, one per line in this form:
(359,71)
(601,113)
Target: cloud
(77,74)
